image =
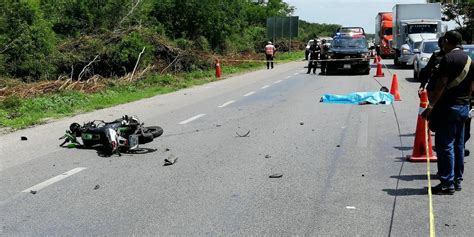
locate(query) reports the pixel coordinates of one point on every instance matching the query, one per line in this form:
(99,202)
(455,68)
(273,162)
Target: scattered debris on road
(363,175)
(276,176)
(245,135)
(268,156)
(32,191)
(338,146)
(167,149)
(218,125)
(96,187)
(301,123)
(23,138)
(170,160)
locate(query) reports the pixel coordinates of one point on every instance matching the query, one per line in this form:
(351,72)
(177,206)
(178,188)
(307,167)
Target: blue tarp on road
(358,98)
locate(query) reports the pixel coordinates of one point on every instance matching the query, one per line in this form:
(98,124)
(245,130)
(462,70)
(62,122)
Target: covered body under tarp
(359,98)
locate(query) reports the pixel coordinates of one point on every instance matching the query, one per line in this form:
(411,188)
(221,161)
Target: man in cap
(270,51)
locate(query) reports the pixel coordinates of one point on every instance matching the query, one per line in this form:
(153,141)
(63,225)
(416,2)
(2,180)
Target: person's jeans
(449,143)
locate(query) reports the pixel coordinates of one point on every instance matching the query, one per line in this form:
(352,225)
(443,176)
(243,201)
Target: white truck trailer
(411,24)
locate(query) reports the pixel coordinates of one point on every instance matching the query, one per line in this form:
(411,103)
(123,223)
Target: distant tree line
(43,39)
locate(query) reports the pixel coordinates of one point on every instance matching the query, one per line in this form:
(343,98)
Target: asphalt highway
(343,167)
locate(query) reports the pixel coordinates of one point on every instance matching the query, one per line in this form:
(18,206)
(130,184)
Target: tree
(27,40)
(463,15)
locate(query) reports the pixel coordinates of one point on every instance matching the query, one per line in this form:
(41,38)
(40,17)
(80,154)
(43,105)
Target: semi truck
(411,24)
(383,34)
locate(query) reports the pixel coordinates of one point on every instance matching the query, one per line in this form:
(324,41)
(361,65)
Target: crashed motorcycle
(121,135)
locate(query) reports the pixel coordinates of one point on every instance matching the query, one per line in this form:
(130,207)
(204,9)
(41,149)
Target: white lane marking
(249,94)
(192,119)
(265,87)
(226,103)
(277,82)
(350,207)
(54,180)
(363,137)
(296,74)
(288,77)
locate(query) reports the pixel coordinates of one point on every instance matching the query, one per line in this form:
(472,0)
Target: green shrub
(184,44)
(125,53)
(201,43)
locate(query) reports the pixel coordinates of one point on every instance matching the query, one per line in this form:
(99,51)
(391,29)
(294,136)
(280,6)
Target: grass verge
(19,113)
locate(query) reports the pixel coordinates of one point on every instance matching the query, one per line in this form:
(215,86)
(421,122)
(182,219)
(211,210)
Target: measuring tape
(317,60)
(430,196)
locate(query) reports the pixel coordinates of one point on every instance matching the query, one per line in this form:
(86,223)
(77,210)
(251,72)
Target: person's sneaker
(457,185)
(466,152)
(442,190)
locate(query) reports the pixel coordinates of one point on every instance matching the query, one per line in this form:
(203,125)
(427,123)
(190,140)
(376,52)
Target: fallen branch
(136,64)
(170,64)
(130,12)
(85,67)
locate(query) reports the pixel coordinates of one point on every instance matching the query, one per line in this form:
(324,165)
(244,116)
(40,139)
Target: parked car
(469,50)
(423,54)
(351,53)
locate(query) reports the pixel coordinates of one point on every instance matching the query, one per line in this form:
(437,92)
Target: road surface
(343,166)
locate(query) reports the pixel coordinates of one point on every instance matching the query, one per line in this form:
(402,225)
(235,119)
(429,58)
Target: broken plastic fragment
(275,176)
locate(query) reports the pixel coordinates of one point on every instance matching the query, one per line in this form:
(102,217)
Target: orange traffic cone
(218,69)
(423,136)
(394,88)
(379,70)
(376,59)
(379,58)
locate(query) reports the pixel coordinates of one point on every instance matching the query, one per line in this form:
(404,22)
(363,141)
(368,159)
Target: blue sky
(345,12)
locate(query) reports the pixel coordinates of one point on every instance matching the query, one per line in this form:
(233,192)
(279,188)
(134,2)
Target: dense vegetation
(50,39)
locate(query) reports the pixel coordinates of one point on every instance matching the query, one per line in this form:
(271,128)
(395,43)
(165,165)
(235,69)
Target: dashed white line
(54,180)
(296,74)
(350,207)
(226,103)
(288,77)
(265,87)
(192,119)
(277,82)
(249,94)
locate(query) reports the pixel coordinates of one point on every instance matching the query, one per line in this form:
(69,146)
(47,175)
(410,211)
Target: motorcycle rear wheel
(155,130)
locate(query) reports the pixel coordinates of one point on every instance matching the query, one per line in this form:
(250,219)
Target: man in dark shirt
(450,101)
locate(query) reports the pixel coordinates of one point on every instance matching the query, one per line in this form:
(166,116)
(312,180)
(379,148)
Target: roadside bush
(184,44)
(30,48)
(125,53)
(201,43)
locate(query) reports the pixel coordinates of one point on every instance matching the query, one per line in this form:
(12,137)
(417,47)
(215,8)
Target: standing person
(314,51)
(270,51)
(430,71)
(324,51)
(448,110)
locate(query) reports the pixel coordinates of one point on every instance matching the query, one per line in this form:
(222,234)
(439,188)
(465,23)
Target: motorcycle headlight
(425,59)
(405,51)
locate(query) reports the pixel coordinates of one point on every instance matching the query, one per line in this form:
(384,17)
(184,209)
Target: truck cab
(383,34)
(411,24)
(414,32)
